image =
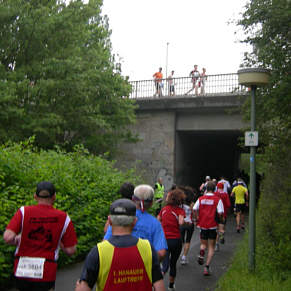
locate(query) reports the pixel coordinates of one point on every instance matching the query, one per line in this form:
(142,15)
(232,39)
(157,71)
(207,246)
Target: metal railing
(214,85)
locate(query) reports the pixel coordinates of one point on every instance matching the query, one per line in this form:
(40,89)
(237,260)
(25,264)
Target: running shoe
(201,257)
(200,260)
(183,261)
(206,271)
(221,238)
(238,230)
(171,288)
(242,226)
(216,247)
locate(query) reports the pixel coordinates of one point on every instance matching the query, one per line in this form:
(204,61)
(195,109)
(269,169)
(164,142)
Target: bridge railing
(214,85)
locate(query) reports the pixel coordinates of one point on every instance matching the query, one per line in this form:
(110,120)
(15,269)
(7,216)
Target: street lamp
(167,59)
(253,77)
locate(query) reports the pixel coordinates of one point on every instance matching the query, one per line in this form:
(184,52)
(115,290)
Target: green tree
(266,24)
(59,80)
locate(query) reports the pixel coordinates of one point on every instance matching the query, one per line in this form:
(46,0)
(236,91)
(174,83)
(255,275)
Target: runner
(226,184)
(206,209)
(147,226)
(187,228)
(39,232)
(171,217)
(202,188)
(226,205)
(124,262)
(125,191)
(241,197)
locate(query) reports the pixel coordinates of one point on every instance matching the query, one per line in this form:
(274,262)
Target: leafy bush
(85,187)
(273,240)
(274,214)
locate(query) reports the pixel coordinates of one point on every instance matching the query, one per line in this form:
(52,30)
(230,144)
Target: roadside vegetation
(60,83)
(266,25)
(85,187)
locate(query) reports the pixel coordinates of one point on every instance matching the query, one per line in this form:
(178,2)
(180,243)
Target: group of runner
(206,210)
(138,248)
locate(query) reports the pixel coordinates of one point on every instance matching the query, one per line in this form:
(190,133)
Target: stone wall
(153,155)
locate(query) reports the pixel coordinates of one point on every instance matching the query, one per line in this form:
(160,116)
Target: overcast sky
(197,32)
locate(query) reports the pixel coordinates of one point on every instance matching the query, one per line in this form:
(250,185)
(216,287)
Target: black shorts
(158,85)
(186,229)
(240,208)
(24,285)
(206,234)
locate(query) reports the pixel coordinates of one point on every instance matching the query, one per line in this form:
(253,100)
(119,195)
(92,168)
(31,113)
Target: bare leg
(190,90)
(211,246)
(242,219)
(186,249)
(196,90)
(238,214)
(204,244)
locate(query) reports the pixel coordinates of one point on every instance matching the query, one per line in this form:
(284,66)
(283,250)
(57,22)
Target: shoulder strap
(145,251)
(105,250)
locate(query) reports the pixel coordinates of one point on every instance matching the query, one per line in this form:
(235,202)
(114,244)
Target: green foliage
(58,77)
(274,217)
(267,25)
(239,278)
(85,186)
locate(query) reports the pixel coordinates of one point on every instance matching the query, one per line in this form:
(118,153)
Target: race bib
(30,267)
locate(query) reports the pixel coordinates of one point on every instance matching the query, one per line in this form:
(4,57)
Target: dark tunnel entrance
(202,153)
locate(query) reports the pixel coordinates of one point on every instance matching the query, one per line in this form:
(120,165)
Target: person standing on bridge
(158,78)
(202,81)
(194,79)
(207,209)
(124,262)
(171,84)
(39,231)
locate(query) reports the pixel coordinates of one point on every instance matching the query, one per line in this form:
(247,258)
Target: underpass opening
(206,153)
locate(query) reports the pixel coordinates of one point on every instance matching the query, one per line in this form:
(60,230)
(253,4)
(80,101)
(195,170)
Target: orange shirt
(158,76)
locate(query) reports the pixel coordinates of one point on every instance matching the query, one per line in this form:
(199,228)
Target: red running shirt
(42,229)
(170,220)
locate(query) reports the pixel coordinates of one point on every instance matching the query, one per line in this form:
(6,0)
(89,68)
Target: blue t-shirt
(146,227)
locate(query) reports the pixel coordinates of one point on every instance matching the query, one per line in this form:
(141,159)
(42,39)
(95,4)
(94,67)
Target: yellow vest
(106,250)
(159,192)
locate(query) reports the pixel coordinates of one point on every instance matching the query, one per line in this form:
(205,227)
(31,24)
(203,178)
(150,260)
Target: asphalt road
(189,277)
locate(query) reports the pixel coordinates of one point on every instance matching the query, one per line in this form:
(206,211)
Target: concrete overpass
(184,138)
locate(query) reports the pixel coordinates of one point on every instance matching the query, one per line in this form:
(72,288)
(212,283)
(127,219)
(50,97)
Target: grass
(239,278)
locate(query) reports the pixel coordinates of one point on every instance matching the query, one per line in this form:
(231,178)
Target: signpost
(251,138)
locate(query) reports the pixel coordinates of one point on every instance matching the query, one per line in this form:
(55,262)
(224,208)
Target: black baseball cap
(46,189)
(123,207)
